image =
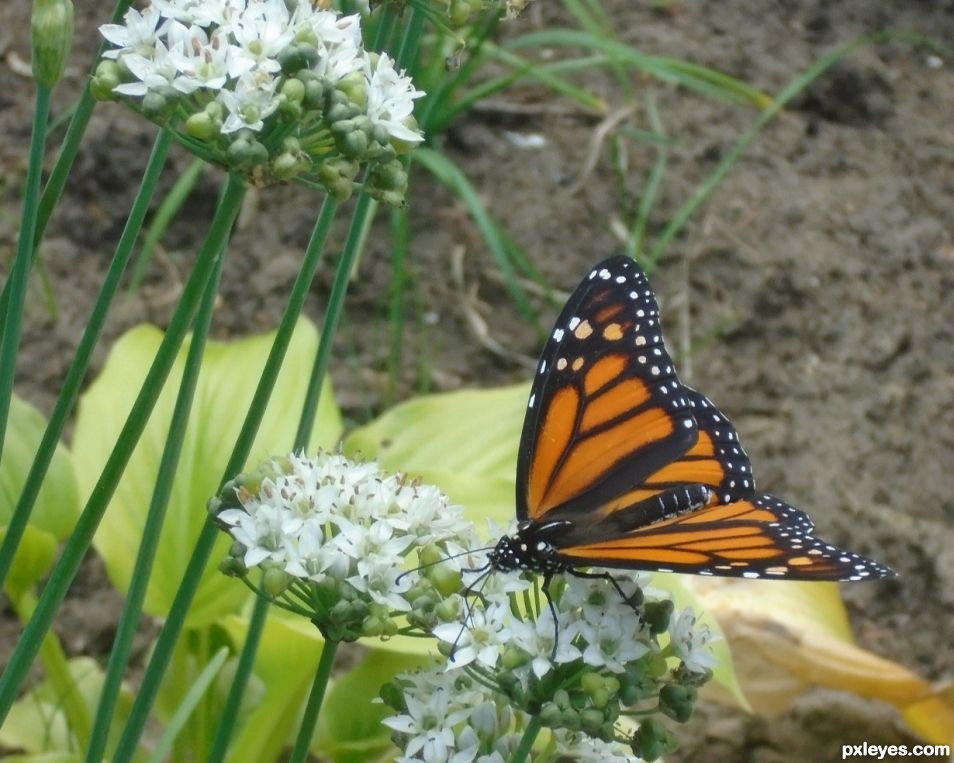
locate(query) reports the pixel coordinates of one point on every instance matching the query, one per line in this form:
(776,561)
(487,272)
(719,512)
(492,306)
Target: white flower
(391,99)
(482,638)
(137,35)
(430,726)
(202,62)
(577,746)
(262,32)
(260,533)
(153,73)
(250,103)
(537,638)
(611,645)
(691,644)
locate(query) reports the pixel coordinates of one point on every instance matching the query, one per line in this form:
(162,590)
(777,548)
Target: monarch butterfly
(622,465)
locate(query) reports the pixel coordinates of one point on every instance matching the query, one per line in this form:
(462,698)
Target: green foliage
(230,372)
(57,505)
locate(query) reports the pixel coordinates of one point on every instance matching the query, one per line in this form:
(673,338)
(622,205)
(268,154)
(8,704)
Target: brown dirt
(813,290)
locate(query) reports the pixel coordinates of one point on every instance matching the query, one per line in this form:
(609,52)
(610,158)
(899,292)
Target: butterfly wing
(606,410)
(758,537)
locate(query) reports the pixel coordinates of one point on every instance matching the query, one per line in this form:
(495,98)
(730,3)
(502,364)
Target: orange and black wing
(760,537)
(606,410)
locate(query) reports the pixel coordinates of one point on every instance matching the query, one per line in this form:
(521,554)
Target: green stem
(165,644)
(243,671)
(352,247)
(77,369)
(78,543)
(12,315)
(56,668)
(526,742)
(139,582)
(310,718)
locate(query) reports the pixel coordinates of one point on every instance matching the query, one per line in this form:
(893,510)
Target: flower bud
(104,80)
(245,153)
(514,657)
(652,740)
(393,696)
(51,29)
(157,107)
(298,56)
(551,715)
(591,720)
(448,610)
(445,579)
(355,87)
(677,701)
(657,614)
(232,566)
(275,581)
(203,126)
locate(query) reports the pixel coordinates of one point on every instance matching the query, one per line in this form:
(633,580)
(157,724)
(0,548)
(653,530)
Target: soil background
(810,297)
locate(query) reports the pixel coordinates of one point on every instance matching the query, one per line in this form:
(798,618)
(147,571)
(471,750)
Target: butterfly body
(622,465)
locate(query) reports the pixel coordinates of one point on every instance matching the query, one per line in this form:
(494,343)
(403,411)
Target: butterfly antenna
(485,571)
(445,559)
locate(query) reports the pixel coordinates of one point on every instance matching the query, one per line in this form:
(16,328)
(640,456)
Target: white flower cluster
(231,68)
(340,526)
(600,659)
(594,625)
(452,719)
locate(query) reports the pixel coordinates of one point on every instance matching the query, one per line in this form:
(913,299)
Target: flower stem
(12,316)
(139,581)
(529,737)
(77,369)
(79,542)
(310,718)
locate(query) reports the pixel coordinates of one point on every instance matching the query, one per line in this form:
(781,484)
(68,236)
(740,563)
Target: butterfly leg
(634,600)
(553,612)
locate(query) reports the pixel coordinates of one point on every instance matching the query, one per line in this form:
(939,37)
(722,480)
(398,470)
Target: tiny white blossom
(391,98)
(430,726)
(691,644)
(250,103)
(482,638)
(136,35)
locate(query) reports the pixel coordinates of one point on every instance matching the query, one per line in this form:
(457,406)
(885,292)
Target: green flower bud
(591,720)
(51,27)
(657,614)
(287,165)
(652,740)
(353,144)
(372,626)
(570,719)
(355,88)
(275,581)
(514,657)
(390,629)
(430,555)
(293,89)
(233,567)
(393,696)
(677,701)
(203,126)
(551,715)
(157,107)
(458,13)
(561,698)
(103,83)
(445,579)
(298,56)
(289,110)
(448,610)
(314,97)
(245,153)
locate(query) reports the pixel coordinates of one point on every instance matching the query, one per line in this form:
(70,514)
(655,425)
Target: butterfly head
(528,549)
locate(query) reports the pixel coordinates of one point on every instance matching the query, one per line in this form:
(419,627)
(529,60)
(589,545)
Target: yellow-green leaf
(229,375)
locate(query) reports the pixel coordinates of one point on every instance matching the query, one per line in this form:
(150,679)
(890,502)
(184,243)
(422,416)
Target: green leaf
(57,505)
(33,559)
(464,442)
(346,736)
(37,722)
(285,666)
(230,372)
